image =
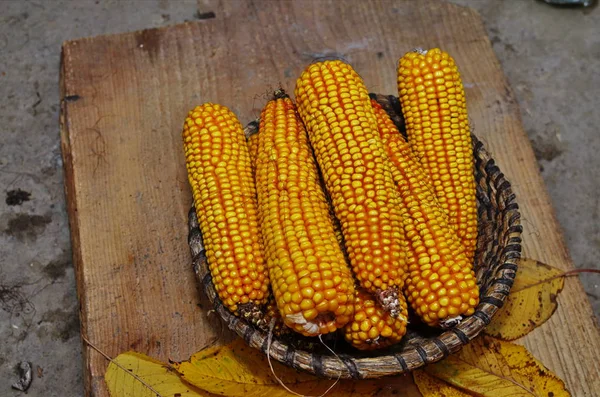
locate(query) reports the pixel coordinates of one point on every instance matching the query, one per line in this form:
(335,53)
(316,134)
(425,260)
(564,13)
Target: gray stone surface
(38,303)
(551,57)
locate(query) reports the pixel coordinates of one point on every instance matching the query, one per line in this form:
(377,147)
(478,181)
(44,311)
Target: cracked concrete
(551,57)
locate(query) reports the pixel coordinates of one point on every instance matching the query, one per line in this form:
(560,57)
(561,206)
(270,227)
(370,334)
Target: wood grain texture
(124,99)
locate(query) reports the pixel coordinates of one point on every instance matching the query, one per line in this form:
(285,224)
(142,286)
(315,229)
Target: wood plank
(124,101)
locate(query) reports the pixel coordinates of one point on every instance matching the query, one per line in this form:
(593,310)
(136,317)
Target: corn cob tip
(389,301)
(373,344)
(314,326)
(371,327)
(268,319)
(251,312)
(388,107)
(280,94)
(251,128)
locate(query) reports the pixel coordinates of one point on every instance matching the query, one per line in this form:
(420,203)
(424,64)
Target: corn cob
(371,327)
(311,281)
(219,173)
(334,104)
(269,315)
(441,285)
(433,103)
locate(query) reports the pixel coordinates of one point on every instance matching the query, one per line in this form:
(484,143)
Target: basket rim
(418,351)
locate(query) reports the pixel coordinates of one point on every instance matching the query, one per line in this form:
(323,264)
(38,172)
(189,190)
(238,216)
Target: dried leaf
(532,300)
(433,387)
(151,378)
(491,367)
(238,370)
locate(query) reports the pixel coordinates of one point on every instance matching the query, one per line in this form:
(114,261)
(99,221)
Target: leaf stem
(269,339)
(568,273)
(106,356)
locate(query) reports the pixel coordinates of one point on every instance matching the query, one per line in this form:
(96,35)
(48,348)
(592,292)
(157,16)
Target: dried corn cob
(335,107)
(441,285)
(433,103)
(311,281)
(219,173)
(269,314)
(371,327)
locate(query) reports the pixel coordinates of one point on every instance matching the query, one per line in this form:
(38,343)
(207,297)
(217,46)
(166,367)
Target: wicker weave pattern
(498,249)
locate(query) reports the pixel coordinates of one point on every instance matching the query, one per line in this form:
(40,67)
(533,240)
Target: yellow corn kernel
(334,104)
(224,194)
(436,257)
(311,281)
(371,327)
(434,106)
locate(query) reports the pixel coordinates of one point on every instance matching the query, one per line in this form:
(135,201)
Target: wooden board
(124,99)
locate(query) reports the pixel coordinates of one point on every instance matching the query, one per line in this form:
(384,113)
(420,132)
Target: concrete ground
(551,57)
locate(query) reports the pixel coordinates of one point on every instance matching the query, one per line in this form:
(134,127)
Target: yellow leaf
(238,370)
(491,367)
(153,378)
(433,387)
(532,301)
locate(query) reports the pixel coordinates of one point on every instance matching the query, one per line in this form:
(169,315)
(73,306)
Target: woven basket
(498,248)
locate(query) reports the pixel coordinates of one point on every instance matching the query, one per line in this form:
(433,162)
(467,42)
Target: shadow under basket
(495,264)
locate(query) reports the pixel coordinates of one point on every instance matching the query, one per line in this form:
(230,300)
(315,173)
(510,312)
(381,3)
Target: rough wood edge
(71,202)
